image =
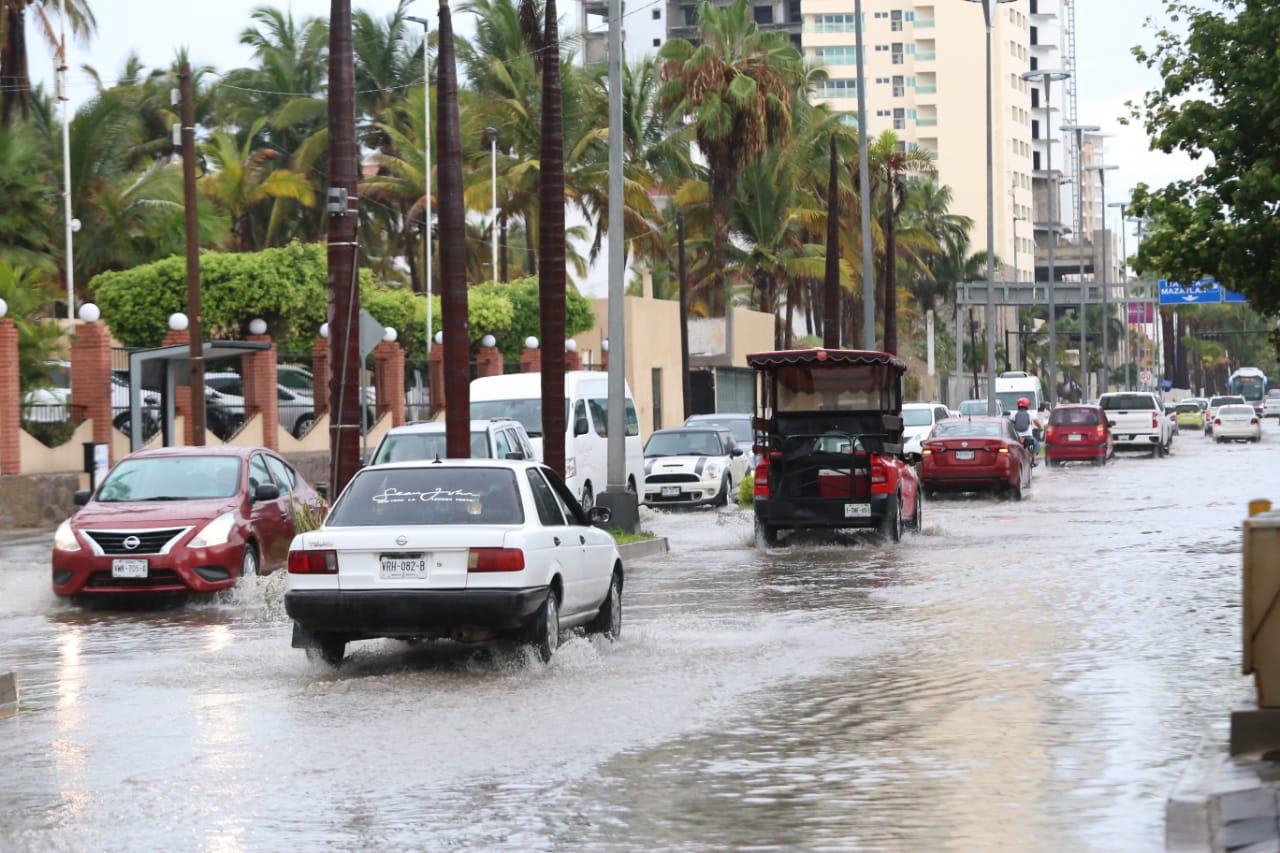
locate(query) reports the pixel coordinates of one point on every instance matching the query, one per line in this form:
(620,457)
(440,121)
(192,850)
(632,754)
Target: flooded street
(1023,675)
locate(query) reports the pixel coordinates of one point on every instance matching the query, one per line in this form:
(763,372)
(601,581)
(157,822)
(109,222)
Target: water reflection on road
(1022,675)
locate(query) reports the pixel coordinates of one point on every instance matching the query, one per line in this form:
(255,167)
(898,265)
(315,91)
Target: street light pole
(864,192)
(493,193)
(1080,130)
(426,171)
(1124,274)
(69,224)
(1048,77)
(1106,304)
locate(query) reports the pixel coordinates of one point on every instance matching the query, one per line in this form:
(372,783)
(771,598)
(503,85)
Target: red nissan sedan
(181,519)
(968,454)
(1078,433)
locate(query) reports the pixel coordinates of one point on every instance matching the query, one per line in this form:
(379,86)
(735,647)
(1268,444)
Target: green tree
(736,87)
(15,93)
(1217,103)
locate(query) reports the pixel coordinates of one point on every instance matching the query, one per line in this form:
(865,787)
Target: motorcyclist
(1025,424)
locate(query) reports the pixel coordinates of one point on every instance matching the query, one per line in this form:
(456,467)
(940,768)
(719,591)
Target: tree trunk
(890,274)
(788,333)
(530,251)
(831,281)
(15,80)
(502,248)
(551,279)
(453,248)
(1170,350)
(718,301)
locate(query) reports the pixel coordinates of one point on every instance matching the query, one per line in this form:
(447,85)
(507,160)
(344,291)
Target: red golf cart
(829,433)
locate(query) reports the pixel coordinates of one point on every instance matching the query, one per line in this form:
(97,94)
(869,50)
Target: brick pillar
(435,378)
(320,376)
(388,376)
(10,399)
(260,390)
(181,393)
(531,361)
(572,360)
(91,378)
(488,361)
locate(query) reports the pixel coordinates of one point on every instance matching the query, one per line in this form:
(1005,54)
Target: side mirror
(516,455)
(81,497)
(266,492)
(738,451)
(1111,424)
(580,427)
(600,515)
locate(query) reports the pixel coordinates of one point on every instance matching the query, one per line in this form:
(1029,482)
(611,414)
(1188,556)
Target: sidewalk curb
(639,551)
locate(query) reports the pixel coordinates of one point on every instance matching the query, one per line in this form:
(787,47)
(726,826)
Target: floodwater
(1021,676)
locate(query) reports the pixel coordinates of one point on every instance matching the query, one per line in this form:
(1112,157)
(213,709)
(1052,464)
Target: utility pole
(69,224)
(453,250)
(342,205)
(426,171)
(1124,275)
(1106,273)
(864,192)
(623,505)
(190,216)
(684,318)
(1080,130)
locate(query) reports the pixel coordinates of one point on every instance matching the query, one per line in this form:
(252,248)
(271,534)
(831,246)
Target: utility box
(1256,728)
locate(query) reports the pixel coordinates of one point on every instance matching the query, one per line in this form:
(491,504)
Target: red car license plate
(1075,436)
(964,455)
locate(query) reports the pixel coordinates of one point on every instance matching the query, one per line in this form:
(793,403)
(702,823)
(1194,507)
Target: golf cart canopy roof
(820,357)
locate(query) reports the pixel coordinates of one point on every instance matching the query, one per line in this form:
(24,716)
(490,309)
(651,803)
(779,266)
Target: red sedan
(182,519)
(968,454)
(1078,433)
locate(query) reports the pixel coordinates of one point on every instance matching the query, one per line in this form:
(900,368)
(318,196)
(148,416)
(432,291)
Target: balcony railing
(819,27)
(927,122)
(926,55)
(924,24)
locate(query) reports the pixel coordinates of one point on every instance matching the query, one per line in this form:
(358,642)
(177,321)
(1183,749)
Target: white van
(1014,384)
(519,396)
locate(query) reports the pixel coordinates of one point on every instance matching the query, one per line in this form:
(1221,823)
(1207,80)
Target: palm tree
(243,177)
(894,165)
(929,209)
(15,93)
(736,88)
(27,185)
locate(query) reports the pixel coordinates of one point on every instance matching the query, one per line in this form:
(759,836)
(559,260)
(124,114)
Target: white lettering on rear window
(395,496)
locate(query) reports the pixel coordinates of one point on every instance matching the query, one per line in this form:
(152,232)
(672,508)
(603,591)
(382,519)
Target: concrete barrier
(644,550)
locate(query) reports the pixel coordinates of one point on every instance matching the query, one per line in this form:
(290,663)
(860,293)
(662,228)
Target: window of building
(836,55)
(899,86)
(690,15)
(835,24)
(763,14)
(1035,128)
(793,11)
(1035,161)
(895,21)
(838,87)
(899,118)
(657,14)
(1035,99)
(657,42)
(1035,35)
(896,52)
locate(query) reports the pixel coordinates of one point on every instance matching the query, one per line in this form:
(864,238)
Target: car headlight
(216,532)
(711,471)
(570,468)
(64,539)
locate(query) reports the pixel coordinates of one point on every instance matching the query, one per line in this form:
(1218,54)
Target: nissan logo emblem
(402,540)
(131,542)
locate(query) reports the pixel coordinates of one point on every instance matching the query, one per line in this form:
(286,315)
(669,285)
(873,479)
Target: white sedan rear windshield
(1246,411)
(435,495)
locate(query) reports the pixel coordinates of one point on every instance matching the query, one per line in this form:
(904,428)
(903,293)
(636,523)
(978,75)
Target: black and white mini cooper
(692,466)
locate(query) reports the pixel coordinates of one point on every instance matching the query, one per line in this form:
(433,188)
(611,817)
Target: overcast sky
(1106,31)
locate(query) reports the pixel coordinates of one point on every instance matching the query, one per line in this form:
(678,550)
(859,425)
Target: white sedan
(472,550)
(1236,423)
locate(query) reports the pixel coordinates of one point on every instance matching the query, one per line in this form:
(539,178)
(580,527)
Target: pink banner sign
(1142,312)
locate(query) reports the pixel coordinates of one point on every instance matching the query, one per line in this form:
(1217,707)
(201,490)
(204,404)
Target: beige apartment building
(926,76)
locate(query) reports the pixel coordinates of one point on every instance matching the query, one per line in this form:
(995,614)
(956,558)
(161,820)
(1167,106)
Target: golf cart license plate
(964,455)
(857,510)
(670,491)
(128,568)
(407,567)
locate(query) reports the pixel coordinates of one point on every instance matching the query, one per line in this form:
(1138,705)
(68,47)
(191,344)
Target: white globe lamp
(440,337)
(178,322)
(488,341)
(531,342)
(390,335)
(257,326)
(571,345)
(324,330)
(90,313)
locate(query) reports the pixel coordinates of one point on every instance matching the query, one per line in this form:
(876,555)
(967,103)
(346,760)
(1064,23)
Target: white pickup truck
(1137,420)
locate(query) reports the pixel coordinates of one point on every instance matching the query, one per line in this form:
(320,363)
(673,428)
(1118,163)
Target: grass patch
(624,538)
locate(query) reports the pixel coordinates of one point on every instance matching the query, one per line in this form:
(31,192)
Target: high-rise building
(775,16)
(644,29)
(926,82)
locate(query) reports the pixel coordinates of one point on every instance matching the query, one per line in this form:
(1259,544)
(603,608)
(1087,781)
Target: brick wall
(488,361)
(389,379)
(320,375)
(181,393)
(531,361)
(10,398)
(260,390)
(91,378)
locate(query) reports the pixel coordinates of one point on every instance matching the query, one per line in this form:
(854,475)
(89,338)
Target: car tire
(1015,491)
(302,425)
(608,622)
(249,564)
(631,486)
(917,520)
(891,526)
(722,497)
(332,650)
(768,535)
(544,629)
(588,498)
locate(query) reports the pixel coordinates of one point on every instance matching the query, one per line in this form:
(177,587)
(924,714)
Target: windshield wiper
(164,498)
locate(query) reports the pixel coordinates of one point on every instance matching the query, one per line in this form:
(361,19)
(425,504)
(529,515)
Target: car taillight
(1101,430)
(495,560)
(1217,421)
(760,486)
(1048,433)
(1155,421)
(1254,421)
(879,472)
(313,562)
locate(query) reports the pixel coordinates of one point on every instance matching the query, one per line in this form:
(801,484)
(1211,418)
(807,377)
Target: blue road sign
(1206,291)
(1233,296)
